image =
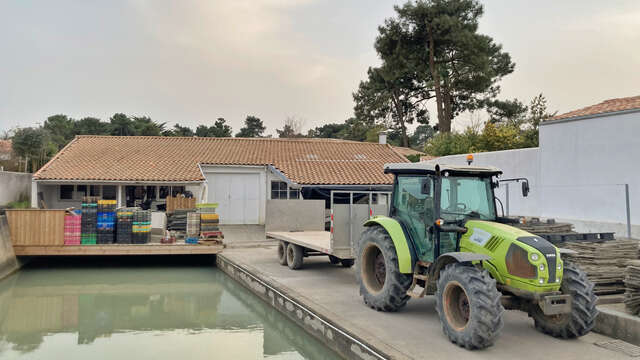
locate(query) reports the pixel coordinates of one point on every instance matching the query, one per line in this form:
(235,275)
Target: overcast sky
(193,61)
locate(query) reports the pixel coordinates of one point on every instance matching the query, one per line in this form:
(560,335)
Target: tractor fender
(394,229)
(454,257)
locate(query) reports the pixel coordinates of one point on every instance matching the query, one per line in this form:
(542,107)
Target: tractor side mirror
(525,188)
(426,187)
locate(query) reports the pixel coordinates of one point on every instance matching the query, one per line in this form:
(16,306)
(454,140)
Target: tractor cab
(433,203)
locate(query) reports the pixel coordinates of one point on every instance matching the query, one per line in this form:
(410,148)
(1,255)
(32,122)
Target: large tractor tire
(282,253)
(295,254)
(469,306)
(382,285)
(583,313)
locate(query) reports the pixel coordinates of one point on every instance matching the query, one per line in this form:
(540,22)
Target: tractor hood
(522,257)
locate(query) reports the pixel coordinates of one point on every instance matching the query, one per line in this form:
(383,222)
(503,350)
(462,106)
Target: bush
(494,137)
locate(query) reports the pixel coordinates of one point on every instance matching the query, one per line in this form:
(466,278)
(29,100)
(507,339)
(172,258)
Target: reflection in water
(145,311)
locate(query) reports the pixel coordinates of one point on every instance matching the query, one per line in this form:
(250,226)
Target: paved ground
(415,330)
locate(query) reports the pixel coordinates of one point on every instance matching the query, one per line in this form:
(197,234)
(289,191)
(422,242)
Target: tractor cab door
(413,207)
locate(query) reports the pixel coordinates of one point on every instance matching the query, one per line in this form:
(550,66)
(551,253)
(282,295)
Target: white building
(580,172)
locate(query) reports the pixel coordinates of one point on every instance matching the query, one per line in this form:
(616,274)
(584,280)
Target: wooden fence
(180,202)
(36,227)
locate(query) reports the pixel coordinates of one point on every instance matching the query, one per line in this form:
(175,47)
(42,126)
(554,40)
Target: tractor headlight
(541,281)
(535,257)
(559,266)
(517,261)
(541,267)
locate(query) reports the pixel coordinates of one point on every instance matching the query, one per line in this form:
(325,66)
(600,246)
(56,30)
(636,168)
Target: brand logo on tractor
(551,255)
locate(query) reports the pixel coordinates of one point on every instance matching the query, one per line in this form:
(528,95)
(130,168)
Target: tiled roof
(151,158)
(607,106)
(406,151)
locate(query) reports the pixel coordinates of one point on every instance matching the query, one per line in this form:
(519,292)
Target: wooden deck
(117,249)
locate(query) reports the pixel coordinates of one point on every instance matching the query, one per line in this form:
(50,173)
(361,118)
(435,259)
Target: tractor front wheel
(469,306)
(382,285)
(583,313)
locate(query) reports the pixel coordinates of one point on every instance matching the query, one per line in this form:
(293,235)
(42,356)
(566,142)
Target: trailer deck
(315,240)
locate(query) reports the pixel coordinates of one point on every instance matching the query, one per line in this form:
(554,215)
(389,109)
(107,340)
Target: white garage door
(237,196)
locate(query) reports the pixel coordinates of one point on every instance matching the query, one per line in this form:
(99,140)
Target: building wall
(514,163)
(14,186)
(577,174)
(8,261)
(586,163)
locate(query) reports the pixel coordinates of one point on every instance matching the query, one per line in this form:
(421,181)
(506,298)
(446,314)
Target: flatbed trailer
(339,242)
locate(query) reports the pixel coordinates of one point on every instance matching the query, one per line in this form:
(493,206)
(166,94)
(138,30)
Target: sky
(192,61)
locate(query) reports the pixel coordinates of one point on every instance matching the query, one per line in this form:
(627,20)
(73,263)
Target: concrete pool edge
(315,320)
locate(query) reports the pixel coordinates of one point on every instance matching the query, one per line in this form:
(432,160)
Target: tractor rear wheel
(469,306)
(282,252)
(583,313)
(295,253)
(382,285)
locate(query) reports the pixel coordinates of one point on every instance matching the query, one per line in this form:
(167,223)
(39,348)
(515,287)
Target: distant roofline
(231,138)
(590,116)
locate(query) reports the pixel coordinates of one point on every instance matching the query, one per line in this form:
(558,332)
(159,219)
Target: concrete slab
(413,332)
(615,321)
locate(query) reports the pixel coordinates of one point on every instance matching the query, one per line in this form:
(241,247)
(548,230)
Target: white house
(238,173)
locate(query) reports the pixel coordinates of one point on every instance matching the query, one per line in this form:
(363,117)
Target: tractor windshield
(467,197)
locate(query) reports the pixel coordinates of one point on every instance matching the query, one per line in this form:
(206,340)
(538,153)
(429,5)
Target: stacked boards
(632,285)
(604,262)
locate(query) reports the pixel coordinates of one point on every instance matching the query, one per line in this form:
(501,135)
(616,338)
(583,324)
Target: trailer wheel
(282,252)
(295,253)
(583,313)
(469,306)
(347,262)
(382,286)
(334,260)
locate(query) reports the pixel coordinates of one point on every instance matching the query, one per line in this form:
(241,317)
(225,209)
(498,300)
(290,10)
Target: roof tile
(176,159)
(607,106)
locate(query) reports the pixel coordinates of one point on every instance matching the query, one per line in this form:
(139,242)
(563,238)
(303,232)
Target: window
(294,194)
(175,190)
(151,192)
(414,206)
(278,190)
(164,192)
(66,192)
(94,190)
(82,189)
(108,192)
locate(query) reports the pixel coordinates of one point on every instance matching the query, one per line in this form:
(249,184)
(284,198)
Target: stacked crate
(124,225)
(89,222)
(193,228)
(72,228)
(209,223)
(141,227)
(106,221)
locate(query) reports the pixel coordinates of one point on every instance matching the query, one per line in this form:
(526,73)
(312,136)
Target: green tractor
(443,237)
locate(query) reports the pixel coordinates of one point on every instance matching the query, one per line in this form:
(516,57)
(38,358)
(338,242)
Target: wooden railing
(36,227)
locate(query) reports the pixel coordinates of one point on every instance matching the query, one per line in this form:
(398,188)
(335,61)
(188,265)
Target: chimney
(382,137)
